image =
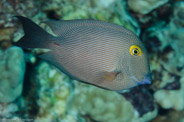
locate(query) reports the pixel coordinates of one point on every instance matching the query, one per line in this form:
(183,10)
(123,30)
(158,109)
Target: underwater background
(31,90)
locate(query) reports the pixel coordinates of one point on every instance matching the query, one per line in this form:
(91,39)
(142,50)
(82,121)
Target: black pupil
(135,51)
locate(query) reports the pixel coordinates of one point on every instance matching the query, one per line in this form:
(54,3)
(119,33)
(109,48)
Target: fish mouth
(146,80)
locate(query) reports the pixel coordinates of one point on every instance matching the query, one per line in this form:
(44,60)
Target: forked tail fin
(34,35)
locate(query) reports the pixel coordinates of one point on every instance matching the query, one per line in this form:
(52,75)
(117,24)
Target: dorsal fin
(62,26)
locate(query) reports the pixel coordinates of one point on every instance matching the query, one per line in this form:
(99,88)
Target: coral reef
(10,8)
(12,68)
(54,94)
(49,95)
(106,106)
(173,116)
(171,98)
(110,10)
(8,110)
(137,97)
(169,86)
(145,6)
(165,41)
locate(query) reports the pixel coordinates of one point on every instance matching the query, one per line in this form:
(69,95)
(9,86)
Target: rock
(145,6)
(109,10)
(12,68)
(172,116)
(168,60)
(108,106)
(54,94)
(168,99)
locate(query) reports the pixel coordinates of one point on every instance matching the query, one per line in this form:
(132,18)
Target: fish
(95,52)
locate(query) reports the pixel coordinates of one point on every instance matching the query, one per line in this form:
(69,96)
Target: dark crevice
(162,111)
(52,15)
(141,99)
(30,93)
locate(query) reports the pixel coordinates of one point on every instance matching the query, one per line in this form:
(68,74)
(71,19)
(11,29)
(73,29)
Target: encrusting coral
(167,64)
(113,11)
(54,94)
(12,68)
(105,106)
(145,6)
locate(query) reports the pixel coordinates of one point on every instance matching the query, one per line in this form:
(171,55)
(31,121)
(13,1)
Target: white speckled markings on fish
(95,52)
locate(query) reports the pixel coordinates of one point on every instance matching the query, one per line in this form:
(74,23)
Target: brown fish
(95,52)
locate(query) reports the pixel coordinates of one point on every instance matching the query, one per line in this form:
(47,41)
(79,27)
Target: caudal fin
(34,35)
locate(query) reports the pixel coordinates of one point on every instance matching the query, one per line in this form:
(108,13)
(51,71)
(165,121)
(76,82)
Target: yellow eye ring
(135,50)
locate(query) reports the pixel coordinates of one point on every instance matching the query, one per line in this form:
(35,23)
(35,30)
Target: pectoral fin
(110,76)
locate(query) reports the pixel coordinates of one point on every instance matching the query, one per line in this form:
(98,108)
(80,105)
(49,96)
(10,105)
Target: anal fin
(51,59)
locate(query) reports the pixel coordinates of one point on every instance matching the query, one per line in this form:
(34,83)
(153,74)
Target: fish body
(95,52)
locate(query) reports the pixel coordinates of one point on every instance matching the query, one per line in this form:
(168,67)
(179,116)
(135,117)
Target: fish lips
(146,80)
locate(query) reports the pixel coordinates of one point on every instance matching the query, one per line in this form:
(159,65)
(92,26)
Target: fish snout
(147,79)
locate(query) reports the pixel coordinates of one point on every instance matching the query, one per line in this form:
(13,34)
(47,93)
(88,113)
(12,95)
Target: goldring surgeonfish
(95,52)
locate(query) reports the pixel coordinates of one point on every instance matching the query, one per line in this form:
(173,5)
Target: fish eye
(135,50)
